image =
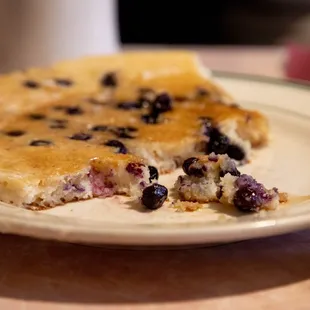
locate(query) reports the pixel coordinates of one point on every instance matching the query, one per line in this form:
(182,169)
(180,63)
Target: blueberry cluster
(161,104)
(220,143)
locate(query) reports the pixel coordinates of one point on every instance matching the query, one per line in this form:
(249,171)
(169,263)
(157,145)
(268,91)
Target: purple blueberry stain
(79,188)
(135,169)
(142,184)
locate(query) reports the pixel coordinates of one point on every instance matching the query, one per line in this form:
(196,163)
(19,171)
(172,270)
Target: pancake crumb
(186,206)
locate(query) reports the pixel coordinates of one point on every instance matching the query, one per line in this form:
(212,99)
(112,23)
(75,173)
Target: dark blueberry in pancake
(81,136)
(150,118)
(109,79)
(153,173)
(129,105)
(15,133)
(121,149)
(99,128)
(162,104)
(63,82)
(74,110)
(36,116)
(40,143)
(192,168)
(31,84)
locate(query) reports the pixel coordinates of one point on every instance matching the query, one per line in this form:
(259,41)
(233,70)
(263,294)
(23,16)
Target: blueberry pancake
(110,124)
(113,77)
(215,178)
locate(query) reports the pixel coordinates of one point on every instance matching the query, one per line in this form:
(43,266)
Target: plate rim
(289,82)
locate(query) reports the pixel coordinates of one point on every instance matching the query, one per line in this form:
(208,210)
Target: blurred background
(41,32)
(221,22)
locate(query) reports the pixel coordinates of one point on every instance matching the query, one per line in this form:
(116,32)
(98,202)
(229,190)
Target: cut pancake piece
(47,176)
(215,178)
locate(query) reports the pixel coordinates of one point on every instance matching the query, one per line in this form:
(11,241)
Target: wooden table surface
(268,273)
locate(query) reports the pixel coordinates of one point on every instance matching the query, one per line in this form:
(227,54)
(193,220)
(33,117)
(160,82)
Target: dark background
(243,22)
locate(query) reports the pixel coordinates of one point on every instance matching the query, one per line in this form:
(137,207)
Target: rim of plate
(295,83)
(41,225)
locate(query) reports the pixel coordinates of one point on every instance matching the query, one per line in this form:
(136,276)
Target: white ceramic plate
(118,221)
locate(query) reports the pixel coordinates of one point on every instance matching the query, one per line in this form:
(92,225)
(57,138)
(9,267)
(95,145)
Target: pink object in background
(298,62)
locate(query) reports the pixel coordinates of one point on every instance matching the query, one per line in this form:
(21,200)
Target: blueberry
(36,116)
(59,107)
(190,169)
(15,133)
(150,119)
(202,92)
(162,103)
(129,105)
(58,126)
(153,173)
(40,143)
(187,163)
(81,136)
(31,84)
(135,169)
(219,192)
(117,144)
(235,152)
(94,101)
(250,195)
(99,128)
(180,98)
(122,132)
(131,128)
(218,142)
(59,121)
(63,82)
(109,79)
(74,110)
(154,196)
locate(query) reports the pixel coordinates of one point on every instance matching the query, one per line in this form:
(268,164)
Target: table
(268,273)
